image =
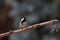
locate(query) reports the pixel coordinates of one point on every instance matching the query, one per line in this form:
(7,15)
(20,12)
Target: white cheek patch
(22,19)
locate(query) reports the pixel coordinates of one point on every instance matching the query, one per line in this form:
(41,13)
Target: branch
(28,28)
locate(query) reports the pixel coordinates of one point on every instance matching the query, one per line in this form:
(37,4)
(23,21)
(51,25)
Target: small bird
(23,23)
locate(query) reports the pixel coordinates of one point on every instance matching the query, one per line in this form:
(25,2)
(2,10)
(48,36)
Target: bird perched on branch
(23,23)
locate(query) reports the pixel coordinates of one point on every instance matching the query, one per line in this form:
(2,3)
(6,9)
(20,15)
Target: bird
(23,23)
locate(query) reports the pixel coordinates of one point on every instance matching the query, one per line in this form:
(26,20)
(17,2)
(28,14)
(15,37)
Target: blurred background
(35,11)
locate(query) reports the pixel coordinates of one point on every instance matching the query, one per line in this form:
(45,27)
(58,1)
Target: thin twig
(28,28)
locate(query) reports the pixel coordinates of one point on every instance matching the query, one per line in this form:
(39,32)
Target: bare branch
(28,28)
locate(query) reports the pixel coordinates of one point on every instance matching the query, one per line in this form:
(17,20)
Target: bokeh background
(35,11)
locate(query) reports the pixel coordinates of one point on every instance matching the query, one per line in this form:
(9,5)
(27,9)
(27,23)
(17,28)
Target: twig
(28,28)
